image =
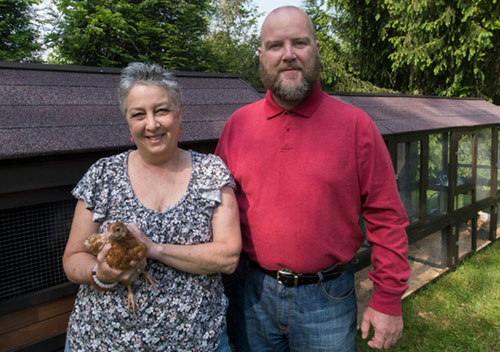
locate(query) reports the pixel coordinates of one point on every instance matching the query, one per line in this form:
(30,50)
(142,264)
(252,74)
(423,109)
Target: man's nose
(289,53)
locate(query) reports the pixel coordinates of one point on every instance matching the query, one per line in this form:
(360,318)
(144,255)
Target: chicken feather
(125,248)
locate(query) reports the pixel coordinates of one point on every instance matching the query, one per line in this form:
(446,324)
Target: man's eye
(163,111)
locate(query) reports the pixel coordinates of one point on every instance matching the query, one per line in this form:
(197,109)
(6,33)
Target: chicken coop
(445,157)
(55,121)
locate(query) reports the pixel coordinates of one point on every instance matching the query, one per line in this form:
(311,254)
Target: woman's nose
(151,122)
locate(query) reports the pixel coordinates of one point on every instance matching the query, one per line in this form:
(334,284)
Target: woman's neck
(160,184)
(170,160)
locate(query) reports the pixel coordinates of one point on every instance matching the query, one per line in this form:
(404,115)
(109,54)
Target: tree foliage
(436,47)
(449,48)
(18,32)
(339,69)
(116,32)
(233,39)
(361,27)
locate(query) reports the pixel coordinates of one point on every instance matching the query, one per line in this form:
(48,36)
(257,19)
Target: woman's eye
(137,115)
(163,111)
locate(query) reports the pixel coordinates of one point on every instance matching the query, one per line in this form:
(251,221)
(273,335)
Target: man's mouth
(292,68)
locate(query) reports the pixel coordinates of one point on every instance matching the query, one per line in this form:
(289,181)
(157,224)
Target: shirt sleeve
(93,189)
(214,175)
(385,218)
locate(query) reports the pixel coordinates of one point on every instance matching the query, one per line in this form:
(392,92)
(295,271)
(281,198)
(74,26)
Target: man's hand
(388,328)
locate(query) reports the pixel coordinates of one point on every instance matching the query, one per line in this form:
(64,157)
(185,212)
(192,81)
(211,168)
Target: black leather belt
(290,279)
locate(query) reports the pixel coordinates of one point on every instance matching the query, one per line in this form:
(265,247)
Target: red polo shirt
(304,177)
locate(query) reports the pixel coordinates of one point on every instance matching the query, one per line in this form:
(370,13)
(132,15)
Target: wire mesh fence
(32,241)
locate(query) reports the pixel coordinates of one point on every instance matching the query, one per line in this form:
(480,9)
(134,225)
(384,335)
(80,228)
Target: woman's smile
(154,121)
(156,137)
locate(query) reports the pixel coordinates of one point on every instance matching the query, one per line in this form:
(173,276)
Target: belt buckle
(286,272)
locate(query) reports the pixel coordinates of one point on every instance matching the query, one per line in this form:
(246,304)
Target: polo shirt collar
(304,109)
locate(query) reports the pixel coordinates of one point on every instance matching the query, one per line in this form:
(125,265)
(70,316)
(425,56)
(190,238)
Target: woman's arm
(220,255)
(78,261)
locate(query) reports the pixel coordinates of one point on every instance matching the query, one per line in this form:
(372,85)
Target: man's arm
(386,221)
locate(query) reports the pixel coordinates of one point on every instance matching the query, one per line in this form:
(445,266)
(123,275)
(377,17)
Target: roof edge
(398,95)
(387,95)
(96,69)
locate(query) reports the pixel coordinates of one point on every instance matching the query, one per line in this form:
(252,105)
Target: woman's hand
(107,274)
(78,261)
(141,236)
(219,255)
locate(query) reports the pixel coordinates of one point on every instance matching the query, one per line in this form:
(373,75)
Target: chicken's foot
(131,300)
(149,280)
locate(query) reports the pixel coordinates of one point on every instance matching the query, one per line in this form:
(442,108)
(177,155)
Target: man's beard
(291,93)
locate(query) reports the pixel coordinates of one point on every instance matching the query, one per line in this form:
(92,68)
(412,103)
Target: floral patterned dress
(187,312)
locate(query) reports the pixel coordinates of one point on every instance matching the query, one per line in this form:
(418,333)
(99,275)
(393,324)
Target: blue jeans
(266,316)
(223,345)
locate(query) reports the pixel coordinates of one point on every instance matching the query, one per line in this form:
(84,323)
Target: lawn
(459,312)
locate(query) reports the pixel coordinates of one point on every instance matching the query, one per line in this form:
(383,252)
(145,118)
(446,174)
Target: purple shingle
(403,114)
(51,109)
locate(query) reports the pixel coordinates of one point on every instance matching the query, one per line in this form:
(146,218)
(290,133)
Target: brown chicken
(125,247)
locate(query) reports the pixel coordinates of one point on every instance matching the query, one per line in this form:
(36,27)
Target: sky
(267,6)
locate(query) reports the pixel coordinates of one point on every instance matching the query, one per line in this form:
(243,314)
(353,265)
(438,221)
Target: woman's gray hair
(147,74)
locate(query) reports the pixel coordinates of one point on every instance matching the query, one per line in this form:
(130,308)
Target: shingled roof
(396,114)
(52,109)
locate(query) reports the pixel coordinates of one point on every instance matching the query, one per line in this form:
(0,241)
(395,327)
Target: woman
(181,203)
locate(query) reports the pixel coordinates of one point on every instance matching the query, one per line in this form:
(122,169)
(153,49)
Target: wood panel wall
(34,324)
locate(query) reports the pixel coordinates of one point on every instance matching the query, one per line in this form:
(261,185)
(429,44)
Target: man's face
(289,58)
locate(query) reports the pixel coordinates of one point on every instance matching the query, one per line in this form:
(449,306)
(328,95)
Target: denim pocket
(339,289)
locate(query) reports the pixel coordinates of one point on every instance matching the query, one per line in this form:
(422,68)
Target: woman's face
(153,119)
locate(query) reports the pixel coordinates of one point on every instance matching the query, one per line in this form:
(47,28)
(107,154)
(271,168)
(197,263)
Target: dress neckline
(173,206)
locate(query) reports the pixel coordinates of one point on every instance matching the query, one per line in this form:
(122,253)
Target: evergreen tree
(339,69)
(449,48)
(234,38)
(439,47)
(116,32)
(361,26)
(18,31)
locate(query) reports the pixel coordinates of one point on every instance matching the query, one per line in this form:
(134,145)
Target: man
(306,167)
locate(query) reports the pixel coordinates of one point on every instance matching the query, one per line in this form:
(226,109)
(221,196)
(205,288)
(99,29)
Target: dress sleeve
(213,175)
(93,189)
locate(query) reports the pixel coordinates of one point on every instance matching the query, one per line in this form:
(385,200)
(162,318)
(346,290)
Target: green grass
(459,312)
